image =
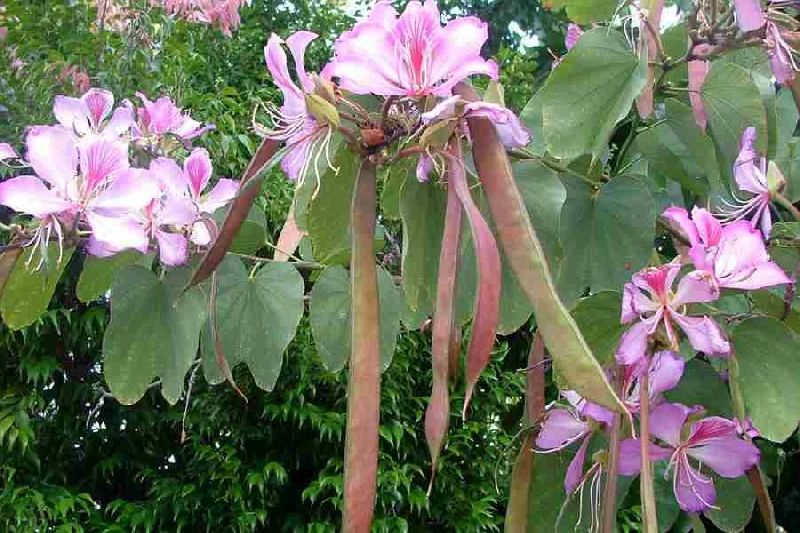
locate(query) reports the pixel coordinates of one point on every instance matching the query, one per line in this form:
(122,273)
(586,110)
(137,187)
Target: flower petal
(678,219)
(697,286)
(132,190)
(511,131)
(715,442)
(176,211)
(99,103)
(102,158)
(742,261)
(458,43)
(278,67)
(630,458)
(704,334)
(198,170)
(117,231)
(27,194)
(633,344)
(575,469)
(169,175)
(297,44)
(53,155)
(694,492)
(173,248)
(749,15)
(223,192)
(666,370)
(559,429)
(72,114)
(121,121)
(667,420)
(7,152)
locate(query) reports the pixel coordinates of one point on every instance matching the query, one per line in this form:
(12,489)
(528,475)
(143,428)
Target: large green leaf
(702,385)
(256,319)
(531,116)
(598,319)
(394,177)
(329,314)
(252,235)
(329,213)
(422,207)
(592,89)
(28,291)
(733,103)
(154,333)
(544,196)
(734,505)
(98,273)
(607,236)
(769,375)
(586,11)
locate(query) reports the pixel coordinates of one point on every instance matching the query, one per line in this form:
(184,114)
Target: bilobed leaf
(329,315)
(256,319)
(592,89)
(98,273)
(598,318)
(154,333)
(734,506)
(27,292)
(328,214)
(733,103)
(768,354)
(607,237)
(422,208)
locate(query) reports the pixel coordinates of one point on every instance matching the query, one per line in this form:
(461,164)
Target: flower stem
(647,490)
(787,204)
(762,495)
(610,490)
(363,394)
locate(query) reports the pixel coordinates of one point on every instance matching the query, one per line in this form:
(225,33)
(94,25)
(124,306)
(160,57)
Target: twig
(762,495)
(649,513)
(301,265)
(610,490)
(188,399)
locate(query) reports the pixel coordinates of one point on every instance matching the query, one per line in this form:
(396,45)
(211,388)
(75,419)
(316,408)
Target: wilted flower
(734,254)
(712,441)
(88,113)
(649,302)
(409,55)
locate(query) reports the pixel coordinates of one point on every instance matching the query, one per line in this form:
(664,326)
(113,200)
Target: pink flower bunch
(222,14)
(82,185)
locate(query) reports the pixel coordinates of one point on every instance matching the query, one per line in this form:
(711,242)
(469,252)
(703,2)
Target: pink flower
(88,113)
(7,152)
(164,117)
(562,427)
(712,441)
(749,15)
(750,171)
(86,180)
(734,254)
(698,69)
(781,53)
(511,131)
(574,33)
(664,373)
(648,302)
(188,184)
(409,55)
(306,138)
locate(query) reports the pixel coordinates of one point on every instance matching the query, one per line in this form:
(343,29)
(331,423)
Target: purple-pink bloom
(7,152)
(734,254)
(574,33)
(164,117)
(87,179)
(664,371)
(649,302)
(713,442)
(509,128)
(88,113)
(303,134)
(409,55)
(562,427)
(749,14)
(750,173)
(781,53)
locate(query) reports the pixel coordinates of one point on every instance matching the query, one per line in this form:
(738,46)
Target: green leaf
(393,179)
(598,319)
(154,333)
(787,153)
(531,116)
(605,237)
(98,273)
(27,292)
(769,365)
(589,92)
(256,319)
(252,235)
(702,385)
(586,11)
(735,500)
(329,315)
(422,208)
(733,103)
(329,213)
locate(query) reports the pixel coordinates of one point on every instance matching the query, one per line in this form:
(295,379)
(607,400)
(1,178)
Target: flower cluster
(715,253)
(222,14)
(411,60)
(83,186)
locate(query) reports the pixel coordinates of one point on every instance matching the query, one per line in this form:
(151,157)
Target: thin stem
(649,515)
(610,490)
(762,495)
(300,265)
(786,204)
(628,140)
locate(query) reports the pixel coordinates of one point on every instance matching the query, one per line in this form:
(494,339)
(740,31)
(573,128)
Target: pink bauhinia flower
(564,426)
(648,303)
(782,54)
(189,183)
(712,441)
(752,174)
(733,254)
(664,371)
(411,54)
(163,117)
(306,137)
(749,14)
(92,113)
(80,180)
